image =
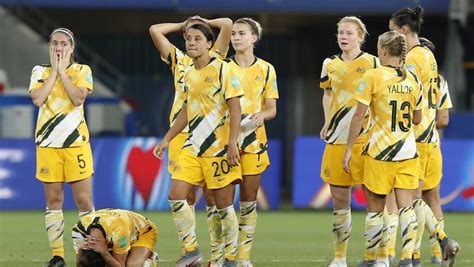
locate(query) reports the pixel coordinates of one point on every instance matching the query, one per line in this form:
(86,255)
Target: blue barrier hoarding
(127,176)
(457,185)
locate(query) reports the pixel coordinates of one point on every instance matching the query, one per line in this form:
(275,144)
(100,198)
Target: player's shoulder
(371,59)
(41,67)
(374,72)
(80,67)
(331,59)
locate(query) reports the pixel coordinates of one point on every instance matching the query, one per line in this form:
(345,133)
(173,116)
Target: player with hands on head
(210,154)
(179,63)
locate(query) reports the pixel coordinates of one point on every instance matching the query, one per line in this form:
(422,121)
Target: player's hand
(257,119)
(64,60)
(233,155)
(98,245)
(159,149)
(53,58)
(346,161)
(323,132)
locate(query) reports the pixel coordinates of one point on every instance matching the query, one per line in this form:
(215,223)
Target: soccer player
(422,62)
(431,186)
(179,63)
(210,153)
(63,152)
(340,77)
(114,237)
(258,80)
(395,100)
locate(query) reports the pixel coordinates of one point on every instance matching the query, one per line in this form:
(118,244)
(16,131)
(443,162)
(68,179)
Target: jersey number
(405,107)
(80,161)
(432,93)
(223,167)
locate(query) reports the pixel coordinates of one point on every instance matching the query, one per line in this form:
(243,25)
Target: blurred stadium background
(128,112)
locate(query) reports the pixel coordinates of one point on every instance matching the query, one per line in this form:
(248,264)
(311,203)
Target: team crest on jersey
(44,170)
(360,70)
(326,172)
(258,78)
(208,79)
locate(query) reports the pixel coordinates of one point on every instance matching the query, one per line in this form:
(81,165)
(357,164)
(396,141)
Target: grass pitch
(283,238)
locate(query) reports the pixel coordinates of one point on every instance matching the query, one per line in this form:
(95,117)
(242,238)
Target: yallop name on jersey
(399,89)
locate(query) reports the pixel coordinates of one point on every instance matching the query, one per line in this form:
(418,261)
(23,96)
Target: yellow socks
(215,233)
(247,225)
(183,218)
(54,222)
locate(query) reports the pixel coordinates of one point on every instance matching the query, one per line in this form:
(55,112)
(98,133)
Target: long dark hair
(411,17)
(89,258)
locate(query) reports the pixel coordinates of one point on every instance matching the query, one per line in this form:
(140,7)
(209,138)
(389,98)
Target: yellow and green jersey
(444,99)
(422,62)
(258,82)
(60,123)
(207,91)
(342,79)
(179,63)
(121,228)
(392,102)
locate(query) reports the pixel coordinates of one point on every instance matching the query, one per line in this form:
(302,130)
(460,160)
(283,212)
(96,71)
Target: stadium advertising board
(127,176)
(457,185)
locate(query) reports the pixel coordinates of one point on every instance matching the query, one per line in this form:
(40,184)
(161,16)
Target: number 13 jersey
(392,101)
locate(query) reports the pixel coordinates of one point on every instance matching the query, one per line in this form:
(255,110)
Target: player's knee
(173,195)
(341,202)
(54,201)
(248,195)
(84,202)
(191,197)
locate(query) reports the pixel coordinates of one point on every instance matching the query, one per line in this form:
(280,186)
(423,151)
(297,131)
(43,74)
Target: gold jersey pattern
(258,83)
(422,62)
(60,123)
(342,79)
(392,101)
(444,99)
(208,114)
(122,228)
(179,63)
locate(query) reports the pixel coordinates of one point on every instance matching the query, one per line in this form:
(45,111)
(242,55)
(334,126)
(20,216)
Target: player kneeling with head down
(113,237)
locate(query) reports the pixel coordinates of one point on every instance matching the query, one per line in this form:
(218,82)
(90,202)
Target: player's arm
(179,124)
(76,94)
(417,117)
(115,259)
(356,125)
(158,34)
(270,110)
(325,84)
(39,95)
(233,155)
(442,118)
(225,32)
(443,105)
(326,106)
(177,127)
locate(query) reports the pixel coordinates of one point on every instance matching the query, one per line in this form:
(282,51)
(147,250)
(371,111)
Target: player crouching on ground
(113,237)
